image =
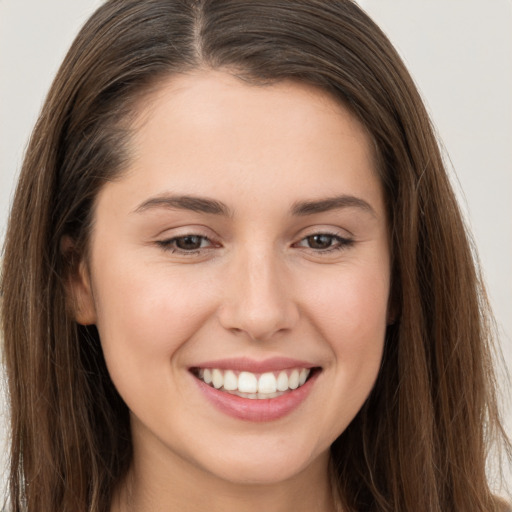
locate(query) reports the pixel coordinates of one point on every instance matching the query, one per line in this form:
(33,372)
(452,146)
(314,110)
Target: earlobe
(79,293)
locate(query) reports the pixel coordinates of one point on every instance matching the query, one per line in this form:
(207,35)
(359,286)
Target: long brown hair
(421,440)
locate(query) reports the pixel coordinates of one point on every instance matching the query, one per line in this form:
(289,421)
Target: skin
(257,288)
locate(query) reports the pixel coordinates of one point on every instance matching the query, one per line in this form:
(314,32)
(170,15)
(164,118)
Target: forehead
(211,133)
(209,95)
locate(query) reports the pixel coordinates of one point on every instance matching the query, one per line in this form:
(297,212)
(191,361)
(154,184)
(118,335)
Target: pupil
(189,242)
(320,241)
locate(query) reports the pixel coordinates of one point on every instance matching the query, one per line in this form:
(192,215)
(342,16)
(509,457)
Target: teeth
(230,381)
(247,382)
(293,380)
(267,383)
(282,381)
(250,385)
(217,379)
(207,376)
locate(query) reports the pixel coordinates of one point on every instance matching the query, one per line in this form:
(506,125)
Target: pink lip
(250,365)
(268,409)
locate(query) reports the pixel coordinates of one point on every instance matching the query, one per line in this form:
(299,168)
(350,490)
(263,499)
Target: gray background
(459,52)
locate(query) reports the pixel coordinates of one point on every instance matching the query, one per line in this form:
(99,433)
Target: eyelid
(180,230)
(324,228)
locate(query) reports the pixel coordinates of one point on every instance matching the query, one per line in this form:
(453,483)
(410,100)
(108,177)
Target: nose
(258,301)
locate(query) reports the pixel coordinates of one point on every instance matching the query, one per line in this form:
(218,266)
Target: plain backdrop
(458,51)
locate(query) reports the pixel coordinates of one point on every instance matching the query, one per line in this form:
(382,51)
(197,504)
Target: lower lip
(257,410)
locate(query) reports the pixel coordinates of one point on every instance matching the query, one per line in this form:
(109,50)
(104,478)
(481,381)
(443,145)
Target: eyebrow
(302,208)
(213,207)
(185,202)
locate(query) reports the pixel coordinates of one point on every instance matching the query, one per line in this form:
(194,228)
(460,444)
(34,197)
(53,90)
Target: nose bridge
(258,300)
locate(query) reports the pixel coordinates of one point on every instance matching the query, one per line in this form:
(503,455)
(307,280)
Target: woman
(236,276)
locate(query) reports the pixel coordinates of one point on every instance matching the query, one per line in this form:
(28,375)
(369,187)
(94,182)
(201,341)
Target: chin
(266,467)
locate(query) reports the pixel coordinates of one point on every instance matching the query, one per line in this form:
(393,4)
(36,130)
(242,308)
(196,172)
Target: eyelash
(341,243)
(170,244)
(338,243)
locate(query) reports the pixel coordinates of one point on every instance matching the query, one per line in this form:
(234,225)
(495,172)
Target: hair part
(420,442)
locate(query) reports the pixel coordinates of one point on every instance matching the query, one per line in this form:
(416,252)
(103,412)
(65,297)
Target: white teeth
(247,382)
(267,383)
(293,380)
(217,379)
(282,382)
(250,385)
(230,381)
(207,376)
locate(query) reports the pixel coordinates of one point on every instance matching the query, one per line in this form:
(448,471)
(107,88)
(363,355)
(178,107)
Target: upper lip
(250,365)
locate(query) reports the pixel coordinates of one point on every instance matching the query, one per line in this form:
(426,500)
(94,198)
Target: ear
(79,293)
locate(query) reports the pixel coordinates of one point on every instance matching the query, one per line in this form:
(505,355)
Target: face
(238,275)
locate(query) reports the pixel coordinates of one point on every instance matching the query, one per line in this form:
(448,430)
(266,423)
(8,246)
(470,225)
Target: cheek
(351,315)
(348,309)
(351,309)
(145,315)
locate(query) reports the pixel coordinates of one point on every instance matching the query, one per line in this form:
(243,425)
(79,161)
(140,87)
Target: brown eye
(186,244)
(189,242)
(323,243)
(320,241)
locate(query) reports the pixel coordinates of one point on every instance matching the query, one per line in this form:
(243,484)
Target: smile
(254,385)
(256,391)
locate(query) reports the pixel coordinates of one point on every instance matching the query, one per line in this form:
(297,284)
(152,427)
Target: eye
(324,242)
(186,243)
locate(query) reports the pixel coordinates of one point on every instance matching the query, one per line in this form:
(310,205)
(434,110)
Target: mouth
(254,390)
(255,386)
